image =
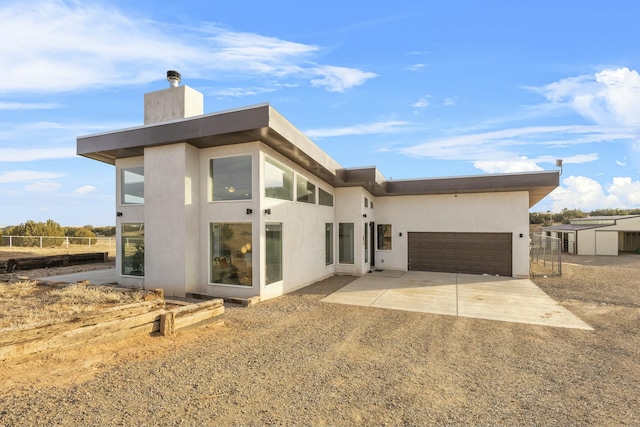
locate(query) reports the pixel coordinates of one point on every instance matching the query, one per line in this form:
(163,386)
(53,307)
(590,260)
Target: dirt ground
(296,361)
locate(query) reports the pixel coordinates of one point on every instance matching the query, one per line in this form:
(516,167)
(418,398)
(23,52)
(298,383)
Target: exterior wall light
(118,213)
(249,211)
(267,211)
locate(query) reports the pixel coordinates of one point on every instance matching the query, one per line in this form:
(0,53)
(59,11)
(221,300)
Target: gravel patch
(296,361)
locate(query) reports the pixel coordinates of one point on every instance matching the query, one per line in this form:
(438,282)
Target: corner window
(231,178)
(306,191)
(273,253)
(366,202)
(132,186)
(366,242)
(231,253)
(328,243)
(278,180)
(346,240)
(324,198)
(384,237)
(132,244)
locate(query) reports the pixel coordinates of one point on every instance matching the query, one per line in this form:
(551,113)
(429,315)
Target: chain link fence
(545,255)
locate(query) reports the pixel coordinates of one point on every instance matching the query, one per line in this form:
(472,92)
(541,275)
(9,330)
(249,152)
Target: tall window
(231,178)
(346,240)
(278,180)
(132,190)
(328,243)
(273,254)
(231,253)
(306,191)
(366,242)
(324,198)
(132,249)
(384,237)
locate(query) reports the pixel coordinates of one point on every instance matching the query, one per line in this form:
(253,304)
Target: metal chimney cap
(173,77)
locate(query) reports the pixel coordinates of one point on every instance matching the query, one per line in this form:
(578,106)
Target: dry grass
(7,252)
(27,304)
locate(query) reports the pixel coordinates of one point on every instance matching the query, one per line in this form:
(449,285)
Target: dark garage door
(475,253)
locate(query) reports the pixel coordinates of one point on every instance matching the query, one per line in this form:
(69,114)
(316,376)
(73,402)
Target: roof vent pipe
(173,77)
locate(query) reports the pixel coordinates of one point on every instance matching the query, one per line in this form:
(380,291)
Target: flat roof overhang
(263,123)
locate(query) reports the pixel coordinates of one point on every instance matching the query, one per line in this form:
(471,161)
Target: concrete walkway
(96,277)
(466,295)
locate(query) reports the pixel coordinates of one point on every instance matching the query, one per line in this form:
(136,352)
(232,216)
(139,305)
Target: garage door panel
(476,253)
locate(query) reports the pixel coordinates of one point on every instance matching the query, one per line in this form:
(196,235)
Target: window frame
(229,263)
(322,192)
(286,170)
(123,185)
(341,243)
(211,189)
(139,251)
(381,240)
(329,255)
(308,183)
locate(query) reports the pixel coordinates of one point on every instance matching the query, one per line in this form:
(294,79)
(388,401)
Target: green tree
(566,215)
(47,229)
(83,232)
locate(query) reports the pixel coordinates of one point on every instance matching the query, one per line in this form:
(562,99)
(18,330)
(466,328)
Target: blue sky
(416,88)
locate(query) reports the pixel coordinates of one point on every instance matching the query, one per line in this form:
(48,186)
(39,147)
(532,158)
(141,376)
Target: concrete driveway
(466,295)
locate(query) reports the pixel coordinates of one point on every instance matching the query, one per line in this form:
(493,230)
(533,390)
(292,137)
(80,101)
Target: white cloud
(500,150)
(421,103)
(27,106)
(27,176)
(586,194)
(33,154)
(448,102)
(609,97)
(58,45)
(338,79)
(391,126)
(43,187)
(85,189)
(415,67)
(513,166)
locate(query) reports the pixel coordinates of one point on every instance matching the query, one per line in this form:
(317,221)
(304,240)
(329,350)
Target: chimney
(177,102)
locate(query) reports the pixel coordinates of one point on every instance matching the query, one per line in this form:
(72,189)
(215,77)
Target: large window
(324,198)
(384,237)
(278,180)
(231,178)
(306,190)
(132,249)
(231,253)
(345,243)
(273,254)
(132,191)
(366,242)
(328,243)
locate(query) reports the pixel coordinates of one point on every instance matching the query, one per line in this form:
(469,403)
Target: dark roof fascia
(573,227)
(538,184)
(263,123)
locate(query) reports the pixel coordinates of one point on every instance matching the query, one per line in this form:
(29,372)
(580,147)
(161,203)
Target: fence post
(40,242)
(10,241)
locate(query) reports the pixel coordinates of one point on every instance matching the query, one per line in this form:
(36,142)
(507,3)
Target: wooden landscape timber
(111,324)
(30,263)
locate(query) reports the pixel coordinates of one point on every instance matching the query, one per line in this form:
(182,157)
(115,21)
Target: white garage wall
(606,243)
(486,212)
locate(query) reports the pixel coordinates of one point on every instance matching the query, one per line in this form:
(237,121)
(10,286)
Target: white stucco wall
(486,212)
(303,233)
(350,209)
(171,218)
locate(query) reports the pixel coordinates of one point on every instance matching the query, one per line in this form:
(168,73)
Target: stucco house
(598,235)
(240,203)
